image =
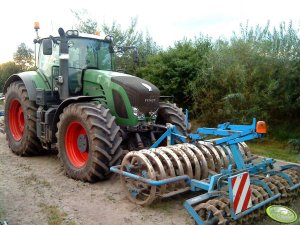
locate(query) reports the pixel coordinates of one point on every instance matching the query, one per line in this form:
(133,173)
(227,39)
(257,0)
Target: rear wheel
(20,121)
(88,141)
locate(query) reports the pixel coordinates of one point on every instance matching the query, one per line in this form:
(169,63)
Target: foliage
(295,143)
(24,57)
(256,73)
(7,69)
(174,69)
(131,37)
(85,23)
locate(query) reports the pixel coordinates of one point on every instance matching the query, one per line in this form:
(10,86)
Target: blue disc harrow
(234,186)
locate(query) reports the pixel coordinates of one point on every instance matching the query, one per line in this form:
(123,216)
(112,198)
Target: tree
(6,70)
(176,68)
(130,36)
(256,73)
(24,57)
(145,45)
(85,23)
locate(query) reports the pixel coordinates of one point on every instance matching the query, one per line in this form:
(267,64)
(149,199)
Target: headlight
(72,33)
(138,113)
(153,115)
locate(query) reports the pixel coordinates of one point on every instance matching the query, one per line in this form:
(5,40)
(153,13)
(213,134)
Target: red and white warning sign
(240,193)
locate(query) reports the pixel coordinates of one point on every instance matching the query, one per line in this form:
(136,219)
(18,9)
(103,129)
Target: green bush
(254,74)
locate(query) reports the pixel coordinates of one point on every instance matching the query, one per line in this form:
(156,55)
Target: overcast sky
(166,21)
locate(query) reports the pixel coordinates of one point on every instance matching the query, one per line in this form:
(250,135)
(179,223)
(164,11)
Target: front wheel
(88,141)
(170,113)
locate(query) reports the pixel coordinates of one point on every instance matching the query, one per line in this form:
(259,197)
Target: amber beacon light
(261,127)
(36,25)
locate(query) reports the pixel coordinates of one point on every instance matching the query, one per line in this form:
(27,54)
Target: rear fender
(63,105)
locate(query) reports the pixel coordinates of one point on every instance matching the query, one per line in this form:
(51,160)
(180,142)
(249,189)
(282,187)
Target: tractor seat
(75,81)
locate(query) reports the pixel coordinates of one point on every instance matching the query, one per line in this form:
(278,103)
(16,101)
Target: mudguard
(32,81)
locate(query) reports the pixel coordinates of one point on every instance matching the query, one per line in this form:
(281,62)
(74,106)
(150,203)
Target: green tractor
(76,103)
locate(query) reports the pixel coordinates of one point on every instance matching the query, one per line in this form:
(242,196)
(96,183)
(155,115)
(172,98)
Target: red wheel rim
(76,157)
(16,120)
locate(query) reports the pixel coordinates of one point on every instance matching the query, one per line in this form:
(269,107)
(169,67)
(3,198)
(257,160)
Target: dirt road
(34,190)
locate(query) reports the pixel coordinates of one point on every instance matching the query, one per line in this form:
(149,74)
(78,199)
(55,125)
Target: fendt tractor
(76,103)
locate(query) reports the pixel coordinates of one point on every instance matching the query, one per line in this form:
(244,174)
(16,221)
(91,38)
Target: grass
(285,131)
(55,216)
(274,149)
(33,179)
(163,206)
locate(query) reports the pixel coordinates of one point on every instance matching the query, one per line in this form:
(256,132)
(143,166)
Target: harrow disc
(216,157)
(158,167)
(217,210)
(214,211)
(224,157)
(137,191)
(194,161)
(209,158)
(174,159)
(197,161)
(201,159)
(178,167)
(187,166)
(168,166)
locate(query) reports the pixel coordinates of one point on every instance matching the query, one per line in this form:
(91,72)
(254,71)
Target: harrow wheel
(215,155)
(214,211)
(88,141)
(168,166)
(177,165)
(201,159)
(20,121)
(209,158)
(196,161)
(158,167)
(196,168)
(217,210)
(137,191)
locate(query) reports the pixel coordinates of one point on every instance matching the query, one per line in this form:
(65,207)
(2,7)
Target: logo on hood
(147,86)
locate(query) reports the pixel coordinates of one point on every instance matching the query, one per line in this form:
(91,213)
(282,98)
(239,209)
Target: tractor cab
(84,52)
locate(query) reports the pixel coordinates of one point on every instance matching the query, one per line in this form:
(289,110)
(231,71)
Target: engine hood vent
(141,93)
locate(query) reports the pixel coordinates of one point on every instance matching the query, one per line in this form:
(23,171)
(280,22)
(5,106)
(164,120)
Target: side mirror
(47,46)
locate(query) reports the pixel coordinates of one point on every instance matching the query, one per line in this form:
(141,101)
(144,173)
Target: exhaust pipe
(63,78)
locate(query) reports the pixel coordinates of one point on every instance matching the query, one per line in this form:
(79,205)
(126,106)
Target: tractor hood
(122,92)
(141,93)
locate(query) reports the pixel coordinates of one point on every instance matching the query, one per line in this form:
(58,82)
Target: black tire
(20,121)
(88,141)
(170,113)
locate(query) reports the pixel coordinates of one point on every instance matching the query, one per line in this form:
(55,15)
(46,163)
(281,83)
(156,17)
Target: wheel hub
(82,143)
(16,120)
(76,144)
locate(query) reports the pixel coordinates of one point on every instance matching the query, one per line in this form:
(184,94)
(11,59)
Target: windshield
(89,53)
